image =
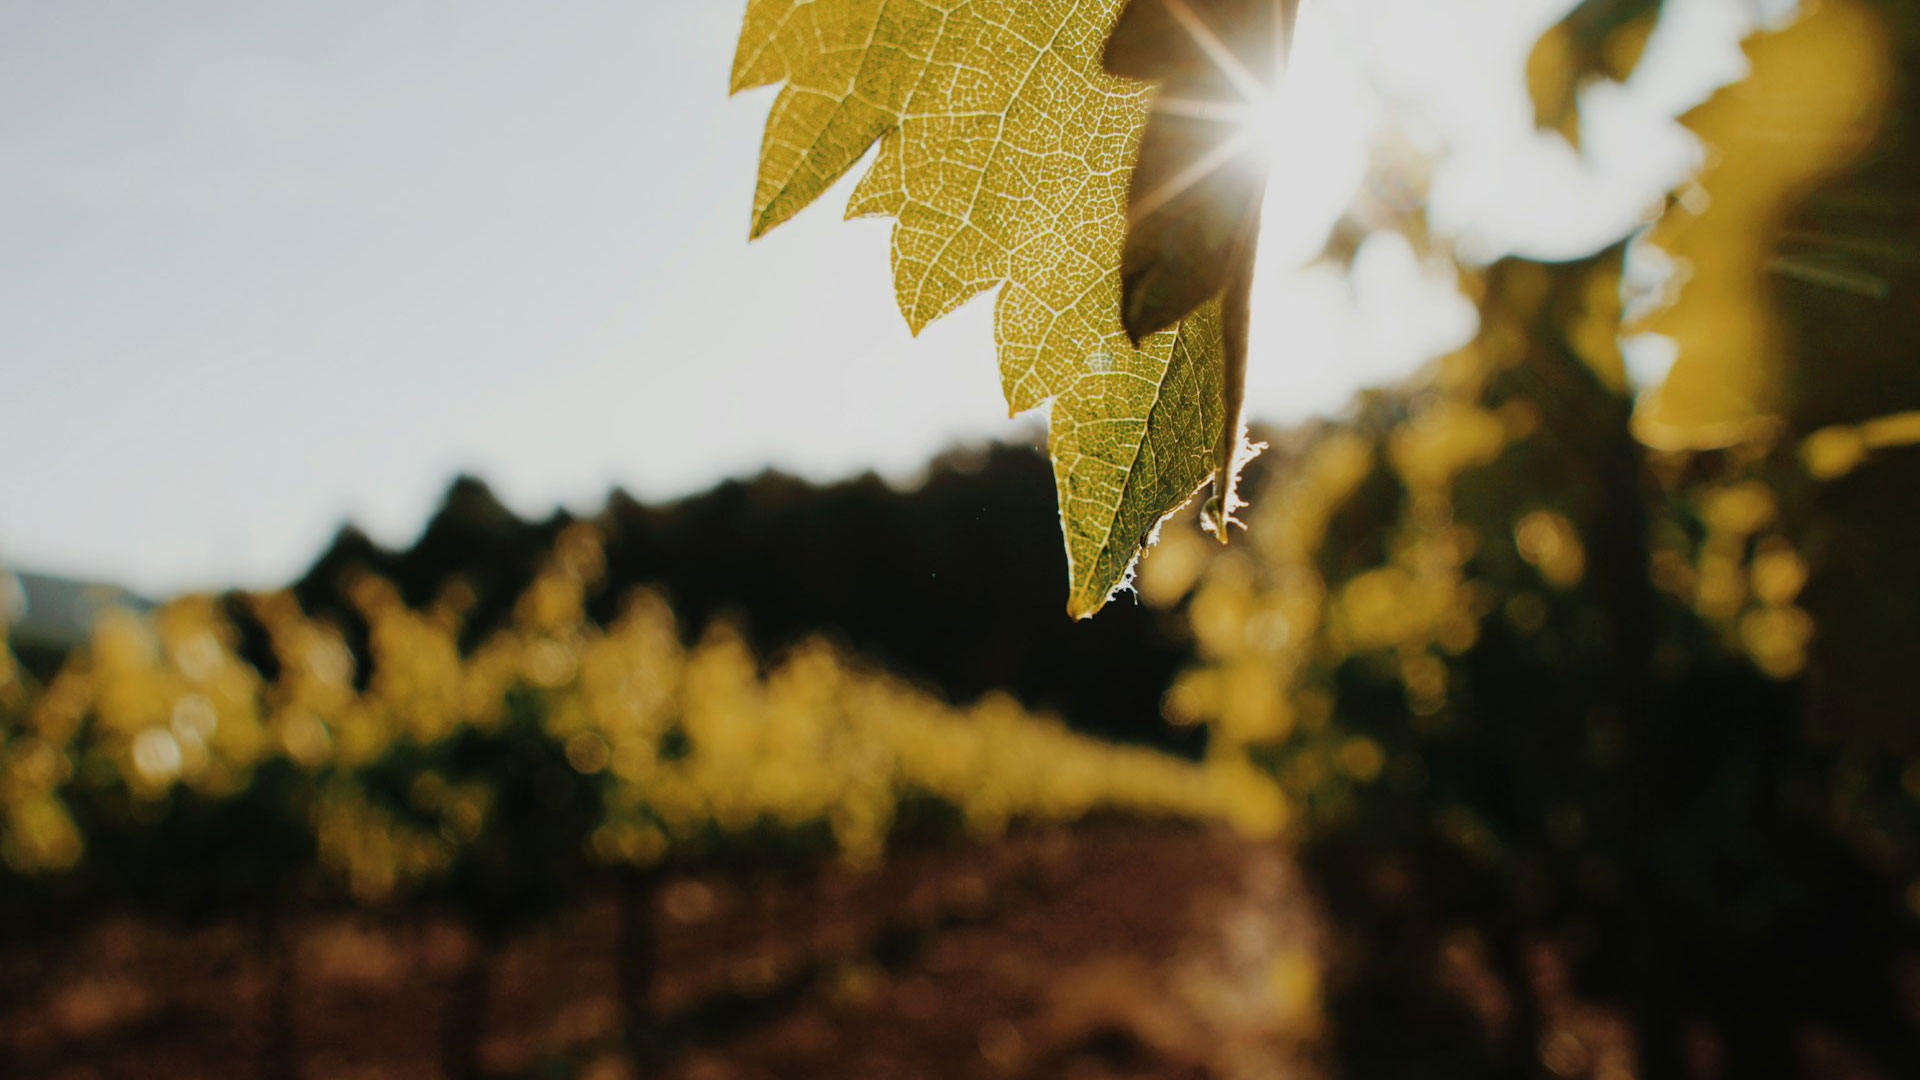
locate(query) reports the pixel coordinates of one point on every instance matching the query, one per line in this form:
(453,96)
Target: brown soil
(1111,950)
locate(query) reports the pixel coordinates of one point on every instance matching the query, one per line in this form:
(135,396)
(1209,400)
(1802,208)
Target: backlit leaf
(1004,156)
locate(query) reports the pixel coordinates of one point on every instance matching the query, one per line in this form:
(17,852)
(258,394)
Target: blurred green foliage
(1629,683)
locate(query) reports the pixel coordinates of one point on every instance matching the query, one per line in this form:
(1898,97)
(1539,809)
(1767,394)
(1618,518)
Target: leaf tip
(1086,600)
(764,219)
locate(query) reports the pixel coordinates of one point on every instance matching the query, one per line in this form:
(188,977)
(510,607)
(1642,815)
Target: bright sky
(271,266)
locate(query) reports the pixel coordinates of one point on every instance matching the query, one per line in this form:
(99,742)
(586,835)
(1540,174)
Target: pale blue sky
(270,265)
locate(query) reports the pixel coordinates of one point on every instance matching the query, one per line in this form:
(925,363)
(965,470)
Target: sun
(1256,112)
(1258,98)
(1307,127)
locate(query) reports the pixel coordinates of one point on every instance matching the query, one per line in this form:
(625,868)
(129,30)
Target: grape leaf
(1004,156)
(1807,111)
(1193,200)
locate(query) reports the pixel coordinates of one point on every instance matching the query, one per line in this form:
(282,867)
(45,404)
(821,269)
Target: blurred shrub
(1530,679)
(1523,677)
(498,777)
(945,583)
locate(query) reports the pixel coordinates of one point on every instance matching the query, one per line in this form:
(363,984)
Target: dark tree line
(957,583)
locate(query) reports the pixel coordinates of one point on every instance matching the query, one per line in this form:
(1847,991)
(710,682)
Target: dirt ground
(1108,951)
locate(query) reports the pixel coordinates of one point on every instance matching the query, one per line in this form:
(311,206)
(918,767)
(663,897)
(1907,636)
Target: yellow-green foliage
(36,832)
(1458,517)
(1269,623)
(1815,99)
(1742,575)
(685,741)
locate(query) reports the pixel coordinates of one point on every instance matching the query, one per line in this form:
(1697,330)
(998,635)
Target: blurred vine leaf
(1599,39)
(1005,150)
(1816,96)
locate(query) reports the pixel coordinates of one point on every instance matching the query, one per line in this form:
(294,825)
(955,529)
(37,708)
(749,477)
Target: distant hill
(46,615)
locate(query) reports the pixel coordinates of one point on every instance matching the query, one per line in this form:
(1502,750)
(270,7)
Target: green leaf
(1004,156)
